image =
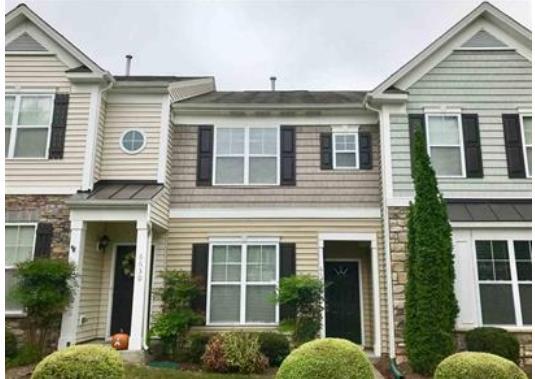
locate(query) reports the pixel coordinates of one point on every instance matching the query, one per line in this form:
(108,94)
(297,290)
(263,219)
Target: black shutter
(287,146)
(472,146)
(326,151)
(513,146)
(43,240)
(286,268)
(365,150)
(205,151)
(199,269)
(416,123)
(59,126)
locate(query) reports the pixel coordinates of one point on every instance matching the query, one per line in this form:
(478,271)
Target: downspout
(386,236)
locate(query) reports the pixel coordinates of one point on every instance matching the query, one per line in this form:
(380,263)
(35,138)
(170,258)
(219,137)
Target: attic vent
(483,39)
(24,43)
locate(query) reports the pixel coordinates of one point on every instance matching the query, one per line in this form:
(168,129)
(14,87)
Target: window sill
(27,159)
(14,314)
(238,325)
(509,328)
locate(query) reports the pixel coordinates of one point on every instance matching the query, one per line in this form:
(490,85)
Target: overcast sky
(306,44)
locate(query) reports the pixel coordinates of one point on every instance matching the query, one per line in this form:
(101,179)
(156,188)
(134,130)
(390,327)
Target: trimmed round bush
(494,341)
(81,362)
(327,358)
(472,365)
(275,346)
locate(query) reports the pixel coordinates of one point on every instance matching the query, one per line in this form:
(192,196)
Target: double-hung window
(242,280)
(526,139)
(504,276)
(27,125)
(246,155)
(445,144)
(345,151)
(19,246)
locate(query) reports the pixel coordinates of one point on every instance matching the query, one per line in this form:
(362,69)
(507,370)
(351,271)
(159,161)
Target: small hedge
(328,358)
(494,341)
(81,362)
(11,344)
(275,346)
(470,365)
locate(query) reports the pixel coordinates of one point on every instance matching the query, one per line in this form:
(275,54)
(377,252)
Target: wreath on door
(129,264)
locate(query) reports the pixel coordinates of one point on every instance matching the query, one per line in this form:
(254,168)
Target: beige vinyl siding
(315,187)
(100,139)
(183,233)
(160,205)
(58,173)
(124,115)
(36,71)
(488,83)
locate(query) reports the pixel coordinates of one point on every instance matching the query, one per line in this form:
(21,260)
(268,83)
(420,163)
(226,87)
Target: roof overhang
(485,16)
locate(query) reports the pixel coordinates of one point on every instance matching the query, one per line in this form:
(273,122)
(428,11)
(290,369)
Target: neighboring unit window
(242,282)
(526,135)
(19,246)
(133,141)
(246,155)
(504,274)
(444,144)
(345,150)
(28,119)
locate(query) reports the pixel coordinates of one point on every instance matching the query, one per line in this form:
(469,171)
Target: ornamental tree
(430,303)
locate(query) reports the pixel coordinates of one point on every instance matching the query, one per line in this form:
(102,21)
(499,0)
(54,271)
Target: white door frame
(361,298)
(372,239)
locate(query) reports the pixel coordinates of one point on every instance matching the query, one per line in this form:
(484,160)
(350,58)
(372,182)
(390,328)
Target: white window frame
(133,152)
(524,145)
(356,151)
(514,282)
(243,283)
(460,145)
(14,123)
(20,313)
(246,155)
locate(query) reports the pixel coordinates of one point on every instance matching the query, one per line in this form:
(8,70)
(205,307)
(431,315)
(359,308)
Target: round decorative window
(133,141)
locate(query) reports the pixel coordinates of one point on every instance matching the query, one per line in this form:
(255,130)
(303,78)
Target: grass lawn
(138,372)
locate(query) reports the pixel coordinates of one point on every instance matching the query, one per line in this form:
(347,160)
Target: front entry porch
(350,273)
(113,255)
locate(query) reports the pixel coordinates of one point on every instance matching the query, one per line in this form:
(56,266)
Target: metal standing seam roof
(124,190)
(277,97)
(489,210)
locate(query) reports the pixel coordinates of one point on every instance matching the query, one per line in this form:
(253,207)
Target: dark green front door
(342,301)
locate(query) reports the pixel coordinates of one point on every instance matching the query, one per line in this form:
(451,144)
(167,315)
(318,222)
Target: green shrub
(328,358)
(11,344)
(275,346)
(44,287)
(81,362)
(26,354)
(494,341)
(429,294)
(213,358)
(469,365)
(195,347)
(304,294)
(242,353)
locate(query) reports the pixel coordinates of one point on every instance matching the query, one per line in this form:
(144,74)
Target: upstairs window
(27,125)
(345,151)
(526,138)
(445,144)
(247,155)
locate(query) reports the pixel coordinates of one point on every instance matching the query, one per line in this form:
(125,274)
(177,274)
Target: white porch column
(69,321)
(141,281)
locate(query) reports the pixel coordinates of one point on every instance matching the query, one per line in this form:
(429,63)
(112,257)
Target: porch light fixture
(103,243)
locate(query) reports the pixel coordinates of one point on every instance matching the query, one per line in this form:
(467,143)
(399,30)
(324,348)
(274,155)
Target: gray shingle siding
(488,83)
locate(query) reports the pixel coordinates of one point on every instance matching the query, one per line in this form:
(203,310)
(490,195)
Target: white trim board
(267,213)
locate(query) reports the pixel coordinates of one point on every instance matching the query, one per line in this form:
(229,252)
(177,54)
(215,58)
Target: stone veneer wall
(398,251)
(40,208)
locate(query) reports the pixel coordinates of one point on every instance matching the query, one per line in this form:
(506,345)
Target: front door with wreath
(123,289)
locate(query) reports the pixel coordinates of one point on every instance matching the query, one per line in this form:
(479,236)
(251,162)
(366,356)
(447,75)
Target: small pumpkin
(119,341)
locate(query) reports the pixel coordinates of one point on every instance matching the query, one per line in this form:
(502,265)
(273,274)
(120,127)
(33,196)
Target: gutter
(386,238)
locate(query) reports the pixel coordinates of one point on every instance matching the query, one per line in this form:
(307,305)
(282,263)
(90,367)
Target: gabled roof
(22,13)
(486,11)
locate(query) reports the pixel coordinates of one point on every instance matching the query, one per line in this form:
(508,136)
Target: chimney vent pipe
(273,80)
(128,64)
